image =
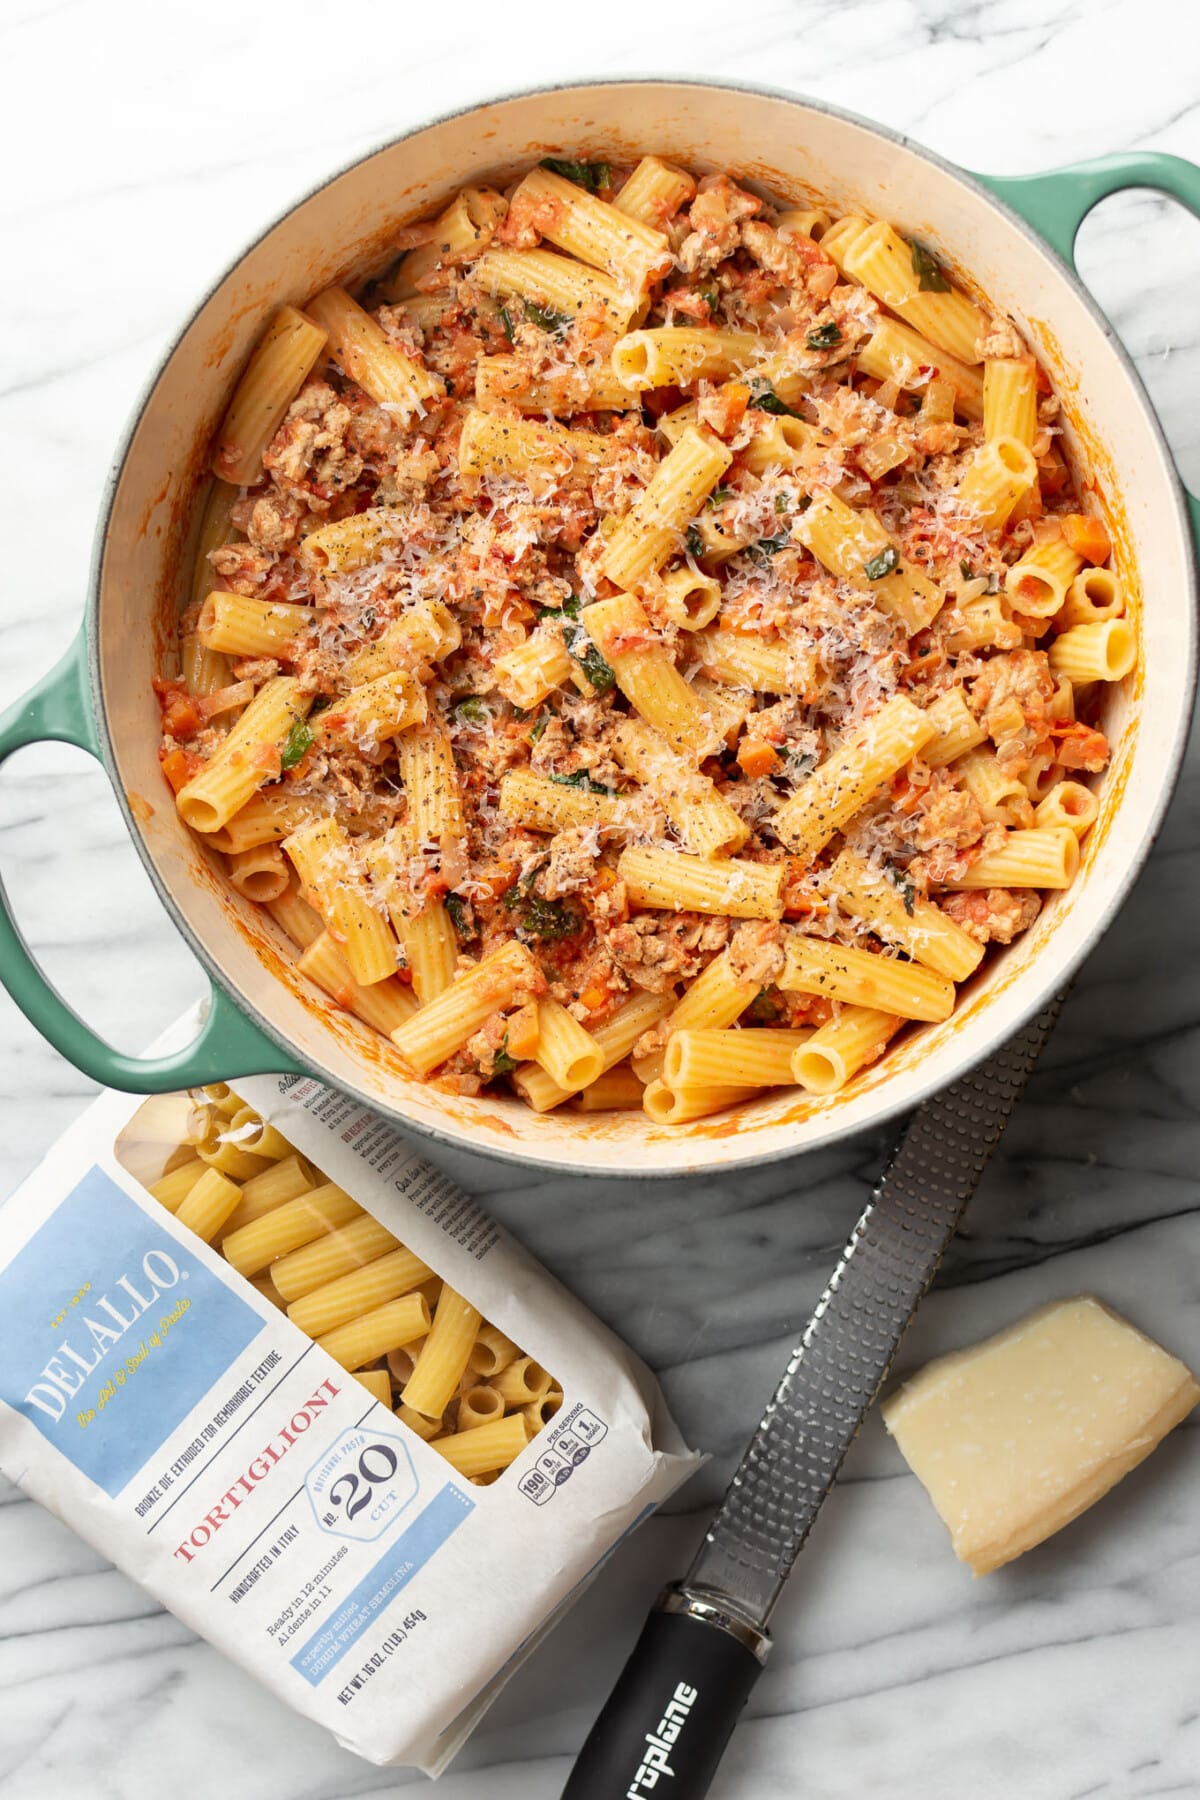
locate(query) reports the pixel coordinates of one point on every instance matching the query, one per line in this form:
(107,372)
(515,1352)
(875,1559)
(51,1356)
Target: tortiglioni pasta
(643,584)
(416,1346)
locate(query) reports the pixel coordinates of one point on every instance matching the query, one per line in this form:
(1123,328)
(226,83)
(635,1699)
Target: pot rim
(1034,993)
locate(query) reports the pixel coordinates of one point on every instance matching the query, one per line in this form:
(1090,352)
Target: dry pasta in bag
(289,1377)
(342,1278)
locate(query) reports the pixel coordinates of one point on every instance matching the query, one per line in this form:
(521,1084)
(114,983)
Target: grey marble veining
(140,155)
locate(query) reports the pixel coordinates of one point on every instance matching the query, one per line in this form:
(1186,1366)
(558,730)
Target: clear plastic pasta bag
(285,1374)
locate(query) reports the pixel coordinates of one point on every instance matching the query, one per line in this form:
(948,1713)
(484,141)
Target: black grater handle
(667,1721)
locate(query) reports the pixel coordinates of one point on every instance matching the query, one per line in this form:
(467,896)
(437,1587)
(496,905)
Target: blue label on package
(394,1570)
(111,1331)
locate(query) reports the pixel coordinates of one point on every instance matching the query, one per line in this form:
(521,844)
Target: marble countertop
(144,146)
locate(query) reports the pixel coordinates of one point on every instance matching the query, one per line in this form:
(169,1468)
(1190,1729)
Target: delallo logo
(113,1328)
(656,1755)
(99,1331)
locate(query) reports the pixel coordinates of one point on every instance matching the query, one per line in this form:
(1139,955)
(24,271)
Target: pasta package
(287,1376)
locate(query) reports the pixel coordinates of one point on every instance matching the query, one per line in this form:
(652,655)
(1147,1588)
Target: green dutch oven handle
(58,710)
(1057,202)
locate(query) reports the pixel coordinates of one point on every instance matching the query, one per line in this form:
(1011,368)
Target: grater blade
(841,1361)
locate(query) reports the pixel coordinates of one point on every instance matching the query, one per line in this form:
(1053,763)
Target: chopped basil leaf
(902,881)
(579,778)
(472,709)
(764,397)
(711,296)
(694,541)
(769,546)
(547,318)
(539,918)
(571,608)
(992,577)
(539,727)
(718,496)
(509,328)
(462,918)
(824,337)
(548,919)
(504,1064)
(781,503)
(801,764)
(298,740)
(592,663)
(578,644)
(765,1008)
(320,705)
(928,270)
(592,176)
(882,565)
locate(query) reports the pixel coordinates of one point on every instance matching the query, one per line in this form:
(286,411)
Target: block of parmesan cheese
(1016,1436)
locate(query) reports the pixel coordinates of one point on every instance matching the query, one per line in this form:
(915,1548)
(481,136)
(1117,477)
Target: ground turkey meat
(572,862)
(1000,339)
(756,952)
(250,571)
(581,738)
(254,668)
(993,915)
(949,817)
(715,217)
(1078,746)
(655,950)
(271,521)
(341,772)
(309,452)
(1023,677)
(487,1044)
(793,258)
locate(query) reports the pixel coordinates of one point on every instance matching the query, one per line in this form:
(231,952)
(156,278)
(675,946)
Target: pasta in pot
(646,609)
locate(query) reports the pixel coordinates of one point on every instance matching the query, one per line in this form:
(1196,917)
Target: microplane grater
(679,1696)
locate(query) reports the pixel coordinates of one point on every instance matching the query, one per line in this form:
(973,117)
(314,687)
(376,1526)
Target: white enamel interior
(342,232)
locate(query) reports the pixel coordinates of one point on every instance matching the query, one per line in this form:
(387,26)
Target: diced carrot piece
(180,713)
(503,879)
(756,758)
(523,1031)
(800,898)
(594,997)
(906,796)
(1087,537)
(181,718)
(1079,746)
(179,766)
(725,408)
